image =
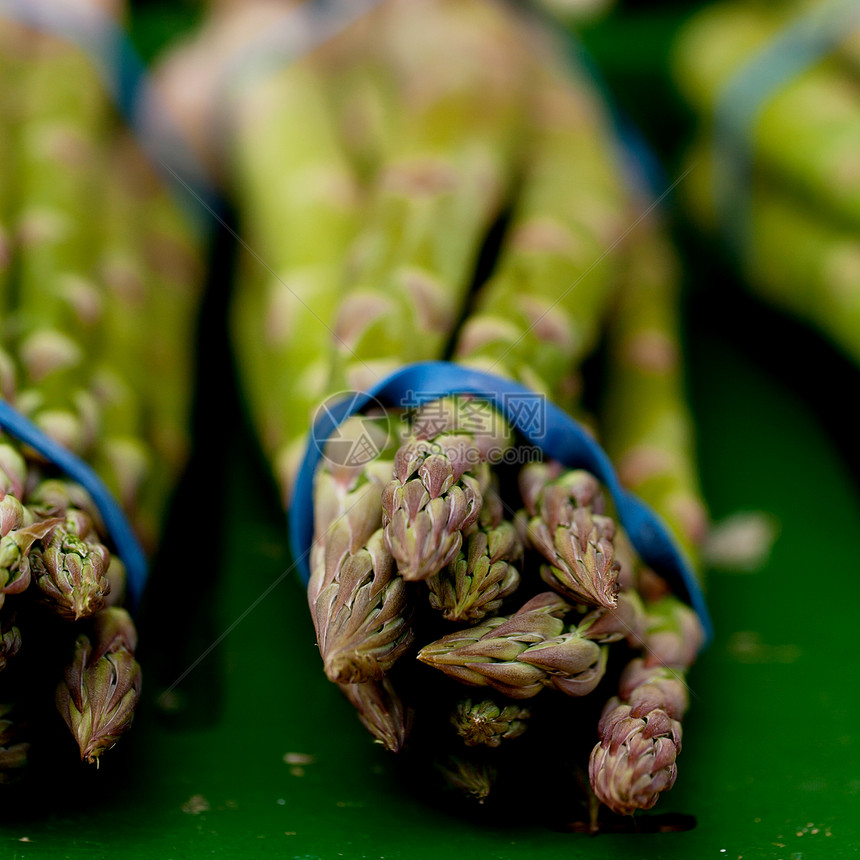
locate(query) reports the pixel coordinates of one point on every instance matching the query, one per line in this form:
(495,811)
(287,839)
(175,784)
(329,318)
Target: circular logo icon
(360,438)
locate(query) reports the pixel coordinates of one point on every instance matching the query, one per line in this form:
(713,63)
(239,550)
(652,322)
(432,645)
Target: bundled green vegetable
(437,530)
(779,174)
(96,355)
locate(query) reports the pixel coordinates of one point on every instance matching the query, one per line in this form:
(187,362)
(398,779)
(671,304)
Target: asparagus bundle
(797,207)
(367,265)
(83,322)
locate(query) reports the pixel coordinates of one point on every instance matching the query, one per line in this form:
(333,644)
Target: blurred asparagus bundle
(99,283)
(783,180)
(367,174)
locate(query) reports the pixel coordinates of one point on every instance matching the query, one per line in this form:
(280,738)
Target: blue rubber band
(560,438)
(799,46)
(117,526)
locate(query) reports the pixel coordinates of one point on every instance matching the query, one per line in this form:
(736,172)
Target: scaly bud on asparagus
(71,569)
(520,655)
(381,711)
(429,503)
(488,723)
(640,730)
(358,602)
(15,555)
(102,684)
(440,477)
(635,760)
(674,634)
(361,615)
(54,497)
(480,577)
(577,541)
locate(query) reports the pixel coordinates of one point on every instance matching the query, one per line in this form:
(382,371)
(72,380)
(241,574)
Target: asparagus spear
(57,311)
(446,170)
(520,655)
(301,208)
(439,481)
(70,568)
(567,527)
(482,575)
(640,730)
(15,549)
(102,684)
(540,313)
(358,601)
(120,376)
(381,711)
(646,425)
(10,67)
(472,778)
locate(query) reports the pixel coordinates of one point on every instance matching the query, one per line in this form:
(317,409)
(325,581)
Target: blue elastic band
(117,526)
(560,438)
(798,47)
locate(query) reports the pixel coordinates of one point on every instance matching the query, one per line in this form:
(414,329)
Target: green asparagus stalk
(646,425)
(364,628)
(57,311)
(11,66)
(446,170)
(102,684)
(541,312)
(358,602)
(120,377)
(173,261)
(301,208)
